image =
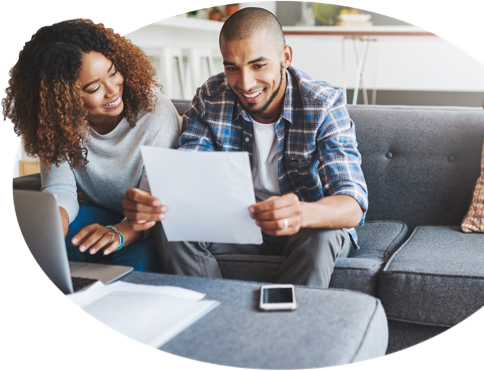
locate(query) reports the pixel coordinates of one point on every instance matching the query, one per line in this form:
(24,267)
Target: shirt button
(247,139)
(451,158)
(389,155)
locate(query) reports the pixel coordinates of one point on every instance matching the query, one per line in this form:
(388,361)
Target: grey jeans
(310,255)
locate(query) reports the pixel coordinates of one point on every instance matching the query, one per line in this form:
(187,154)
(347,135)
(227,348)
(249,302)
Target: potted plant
(231,9)
(215,14)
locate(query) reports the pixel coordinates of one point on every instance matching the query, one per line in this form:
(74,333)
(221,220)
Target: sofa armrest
(27,182)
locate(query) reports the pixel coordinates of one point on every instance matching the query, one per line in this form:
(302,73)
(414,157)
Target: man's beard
(256,112)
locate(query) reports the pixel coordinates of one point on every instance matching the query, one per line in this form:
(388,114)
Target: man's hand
(278,215)
(142,210)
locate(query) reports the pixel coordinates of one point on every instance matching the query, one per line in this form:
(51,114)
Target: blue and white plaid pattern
(318,154)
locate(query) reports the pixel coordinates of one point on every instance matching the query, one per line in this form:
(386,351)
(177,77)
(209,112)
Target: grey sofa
(420,164)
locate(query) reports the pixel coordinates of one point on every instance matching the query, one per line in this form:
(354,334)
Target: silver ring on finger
(285,225)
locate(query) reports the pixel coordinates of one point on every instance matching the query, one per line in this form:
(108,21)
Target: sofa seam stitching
(387,265)
(431,274)
(366,331)
(419,322)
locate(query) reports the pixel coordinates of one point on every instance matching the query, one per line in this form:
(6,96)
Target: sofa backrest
(420,163)
(181,105)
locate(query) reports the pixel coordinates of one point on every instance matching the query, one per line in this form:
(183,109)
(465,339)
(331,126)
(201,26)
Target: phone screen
(278,295)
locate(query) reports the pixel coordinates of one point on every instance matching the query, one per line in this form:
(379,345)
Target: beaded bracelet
(120,236)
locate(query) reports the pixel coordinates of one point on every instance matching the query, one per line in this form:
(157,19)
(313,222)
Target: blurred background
(384,60)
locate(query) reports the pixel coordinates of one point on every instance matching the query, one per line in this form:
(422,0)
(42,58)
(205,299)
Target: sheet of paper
(97,290)
(208,194)
(149,314)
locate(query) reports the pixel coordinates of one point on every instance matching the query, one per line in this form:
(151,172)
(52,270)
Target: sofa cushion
(378,239)
(435,278)
(474,220)
(358,272)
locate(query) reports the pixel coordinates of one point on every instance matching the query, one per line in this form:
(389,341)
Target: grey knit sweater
(115,162)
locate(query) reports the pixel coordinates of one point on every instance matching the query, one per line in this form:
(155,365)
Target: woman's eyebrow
(92,82)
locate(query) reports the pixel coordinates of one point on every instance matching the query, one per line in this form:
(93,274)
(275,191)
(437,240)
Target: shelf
(207,25)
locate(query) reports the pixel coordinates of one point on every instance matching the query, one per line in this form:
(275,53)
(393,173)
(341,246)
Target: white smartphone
(278,297)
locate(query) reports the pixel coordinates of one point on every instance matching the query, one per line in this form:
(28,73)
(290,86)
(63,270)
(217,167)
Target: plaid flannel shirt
(317,148)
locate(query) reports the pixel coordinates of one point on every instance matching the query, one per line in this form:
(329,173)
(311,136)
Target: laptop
(40,222)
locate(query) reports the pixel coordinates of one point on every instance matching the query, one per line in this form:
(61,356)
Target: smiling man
(308,182)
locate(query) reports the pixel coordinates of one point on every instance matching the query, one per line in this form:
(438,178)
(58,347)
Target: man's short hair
(247,22)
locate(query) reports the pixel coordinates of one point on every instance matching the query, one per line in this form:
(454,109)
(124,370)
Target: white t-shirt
(264,161)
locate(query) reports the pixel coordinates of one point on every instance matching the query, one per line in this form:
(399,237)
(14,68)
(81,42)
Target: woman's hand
(142,210)
(95,237)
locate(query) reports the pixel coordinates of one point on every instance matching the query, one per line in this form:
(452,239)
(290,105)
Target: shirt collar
(289,96)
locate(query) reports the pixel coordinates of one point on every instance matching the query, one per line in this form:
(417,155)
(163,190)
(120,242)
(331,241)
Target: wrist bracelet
(120,236)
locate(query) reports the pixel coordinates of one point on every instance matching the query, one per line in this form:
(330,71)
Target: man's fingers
(281,224)
(276,214)
(281,227)
(274,203)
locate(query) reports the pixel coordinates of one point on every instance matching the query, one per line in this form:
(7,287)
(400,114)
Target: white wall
(413,63)
(397,63)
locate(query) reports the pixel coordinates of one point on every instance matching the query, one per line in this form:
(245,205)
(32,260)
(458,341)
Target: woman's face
(102,90)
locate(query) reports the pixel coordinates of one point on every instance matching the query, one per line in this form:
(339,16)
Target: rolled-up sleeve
(340,161)
(195,133)
(61,182)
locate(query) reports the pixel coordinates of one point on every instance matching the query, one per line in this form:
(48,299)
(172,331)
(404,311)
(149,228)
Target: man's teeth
(252,95)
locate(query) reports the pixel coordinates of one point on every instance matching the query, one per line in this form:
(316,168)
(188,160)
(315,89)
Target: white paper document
(208,194)
(151,315)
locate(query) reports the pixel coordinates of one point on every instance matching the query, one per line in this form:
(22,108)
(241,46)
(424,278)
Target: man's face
(255,71)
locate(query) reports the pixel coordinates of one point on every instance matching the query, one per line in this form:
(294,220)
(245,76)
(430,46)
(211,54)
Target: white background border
(38,323)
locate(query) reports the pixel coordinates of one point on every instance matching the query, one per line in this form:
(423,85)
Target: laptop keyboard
(79,283)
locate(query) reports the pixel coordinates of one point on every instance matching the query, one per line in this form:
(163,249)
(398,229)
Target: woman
(82,97)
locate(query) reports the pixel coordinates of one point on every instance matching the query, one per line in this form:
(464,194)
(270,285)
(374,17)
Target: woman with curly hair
(82,98)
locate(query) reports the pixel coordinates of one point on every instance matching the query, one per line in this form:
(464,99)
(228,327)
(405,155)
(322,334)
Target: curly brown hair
(44,98)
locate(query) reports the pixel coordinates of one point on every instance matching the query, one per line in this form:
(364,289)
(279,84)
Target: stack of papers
(151,315)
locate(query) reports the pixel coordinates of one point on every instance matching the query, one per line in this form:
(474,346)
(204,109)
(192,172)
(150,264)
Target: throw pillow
(474,220)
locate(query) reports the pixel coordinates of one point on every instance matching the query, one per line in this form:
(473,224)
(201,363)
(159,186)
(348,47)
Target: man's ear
(287,56)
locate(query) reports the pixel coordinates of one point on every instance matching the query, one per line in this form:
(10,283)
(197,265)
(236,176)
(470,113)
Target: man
(301,142)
